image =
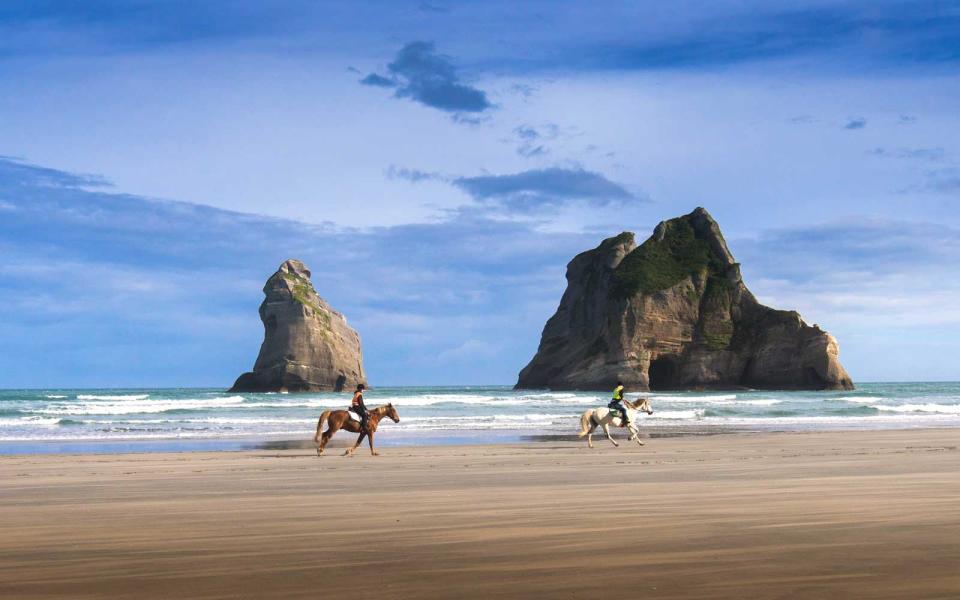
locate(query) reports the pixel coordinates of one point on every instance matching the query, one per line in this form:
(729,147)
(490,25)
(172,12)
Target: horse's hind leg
(590,436)
(324,440)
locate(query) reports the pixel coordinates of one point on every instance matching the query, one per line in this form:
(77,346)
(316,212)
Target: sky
(436,164)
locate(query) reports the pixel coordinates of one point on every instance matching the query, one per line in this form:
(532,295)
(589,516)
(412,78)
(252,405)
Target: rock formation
(674,313)
(307,346)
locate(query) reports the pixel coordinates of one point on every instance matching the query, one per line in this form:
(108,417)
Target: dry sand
(816,515)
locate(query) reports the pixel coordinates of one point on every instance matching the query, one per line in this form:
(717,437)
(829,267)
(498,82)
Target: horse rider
(617,405)
(357,406)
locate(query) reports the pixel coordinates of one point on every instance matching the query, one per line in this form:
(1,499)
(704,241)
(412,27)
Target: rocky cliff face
(307,346)
(674,313)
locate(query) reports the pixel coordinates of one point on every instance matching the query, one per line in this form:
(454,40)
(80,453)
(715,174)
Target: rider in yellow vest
(617,404)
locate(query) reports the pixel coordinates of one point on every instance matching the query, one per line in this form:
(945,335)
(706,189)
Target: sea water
(29,418)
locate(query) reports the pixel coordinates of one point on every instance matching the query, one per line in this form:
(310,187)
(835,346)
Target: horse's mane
(634,404)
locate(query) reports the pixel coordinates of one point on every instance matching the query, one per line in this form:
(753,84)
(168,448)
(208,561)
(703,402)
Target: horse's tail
(585,419)
(323,419)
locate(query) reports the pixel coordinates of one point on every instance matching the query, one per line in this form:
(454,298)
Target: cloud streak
(530,190)
(419,73)
(537,188)
(856,34)
(855,123)
(533,140)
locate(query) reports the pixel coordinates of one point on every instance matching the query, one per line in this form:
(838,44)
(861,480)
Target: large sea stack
(674,314)
(307,346)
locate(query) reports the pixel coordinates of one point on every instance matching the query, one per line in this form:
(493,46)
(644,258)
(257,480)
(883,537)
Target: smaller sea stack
(307,346)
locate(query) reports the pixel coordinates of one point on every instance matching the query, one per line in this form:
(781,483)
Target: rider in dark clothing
(357,406)
(617,404)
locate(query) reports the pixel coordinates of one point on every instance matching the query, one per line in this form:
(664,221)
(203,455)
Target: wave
(140,406)
(858,399)
(713,398)
(721,401)
(908,420)
(758,402)
(946,409)
(540,399)
(28,421)
(121,397)
(528,421)
(54,396)
(676,414)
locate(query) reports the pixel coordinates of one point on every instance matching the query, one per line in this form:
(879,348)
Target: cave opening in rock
(663,373)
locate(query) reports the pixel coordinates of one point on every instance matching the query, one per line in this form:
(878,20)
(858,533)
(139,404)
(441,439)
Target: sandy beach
(793,515)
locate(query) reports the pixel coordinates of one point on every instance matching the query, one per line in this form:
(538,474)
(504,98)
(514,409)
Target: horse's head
(644,405)
(392,413)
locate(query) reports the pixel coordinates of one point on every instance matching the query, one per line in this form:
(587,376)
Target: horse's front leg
(350,451)
(636,435)
(606,430)
(370,439)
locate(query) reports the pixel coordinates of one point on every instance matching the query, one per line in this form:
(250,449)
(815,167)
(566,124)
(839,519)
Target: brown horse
(340,419)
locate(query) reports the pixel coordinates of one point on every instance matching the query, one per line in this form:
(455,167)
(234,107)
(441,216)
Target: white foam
(29,422)
(486,422)
(542,399)
(859,399)
(946,409)
(137,406)
(676,414)
(204,421)
(721,398)
(54,396)
(127,397)
(729,400)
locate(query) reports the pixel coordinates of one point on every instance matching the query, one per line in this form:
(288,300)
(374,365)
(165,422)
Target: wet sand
(789,515)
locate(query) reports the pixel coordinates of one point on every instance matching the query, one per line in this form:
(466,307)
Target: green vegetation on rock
(716,328)
(659,264)
(303,293)
(717,334)
(622,238)
(717,296)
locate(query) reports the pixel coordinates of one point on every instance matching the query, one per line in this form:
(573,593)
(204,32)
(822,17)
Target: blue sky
(437,164)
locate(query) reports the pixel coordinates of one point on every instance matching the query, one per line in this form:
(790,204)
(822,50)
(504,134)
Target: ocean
(192,418)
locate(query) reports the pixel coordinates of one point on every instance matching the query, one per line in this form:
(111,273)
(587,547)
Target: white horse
(604,417)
